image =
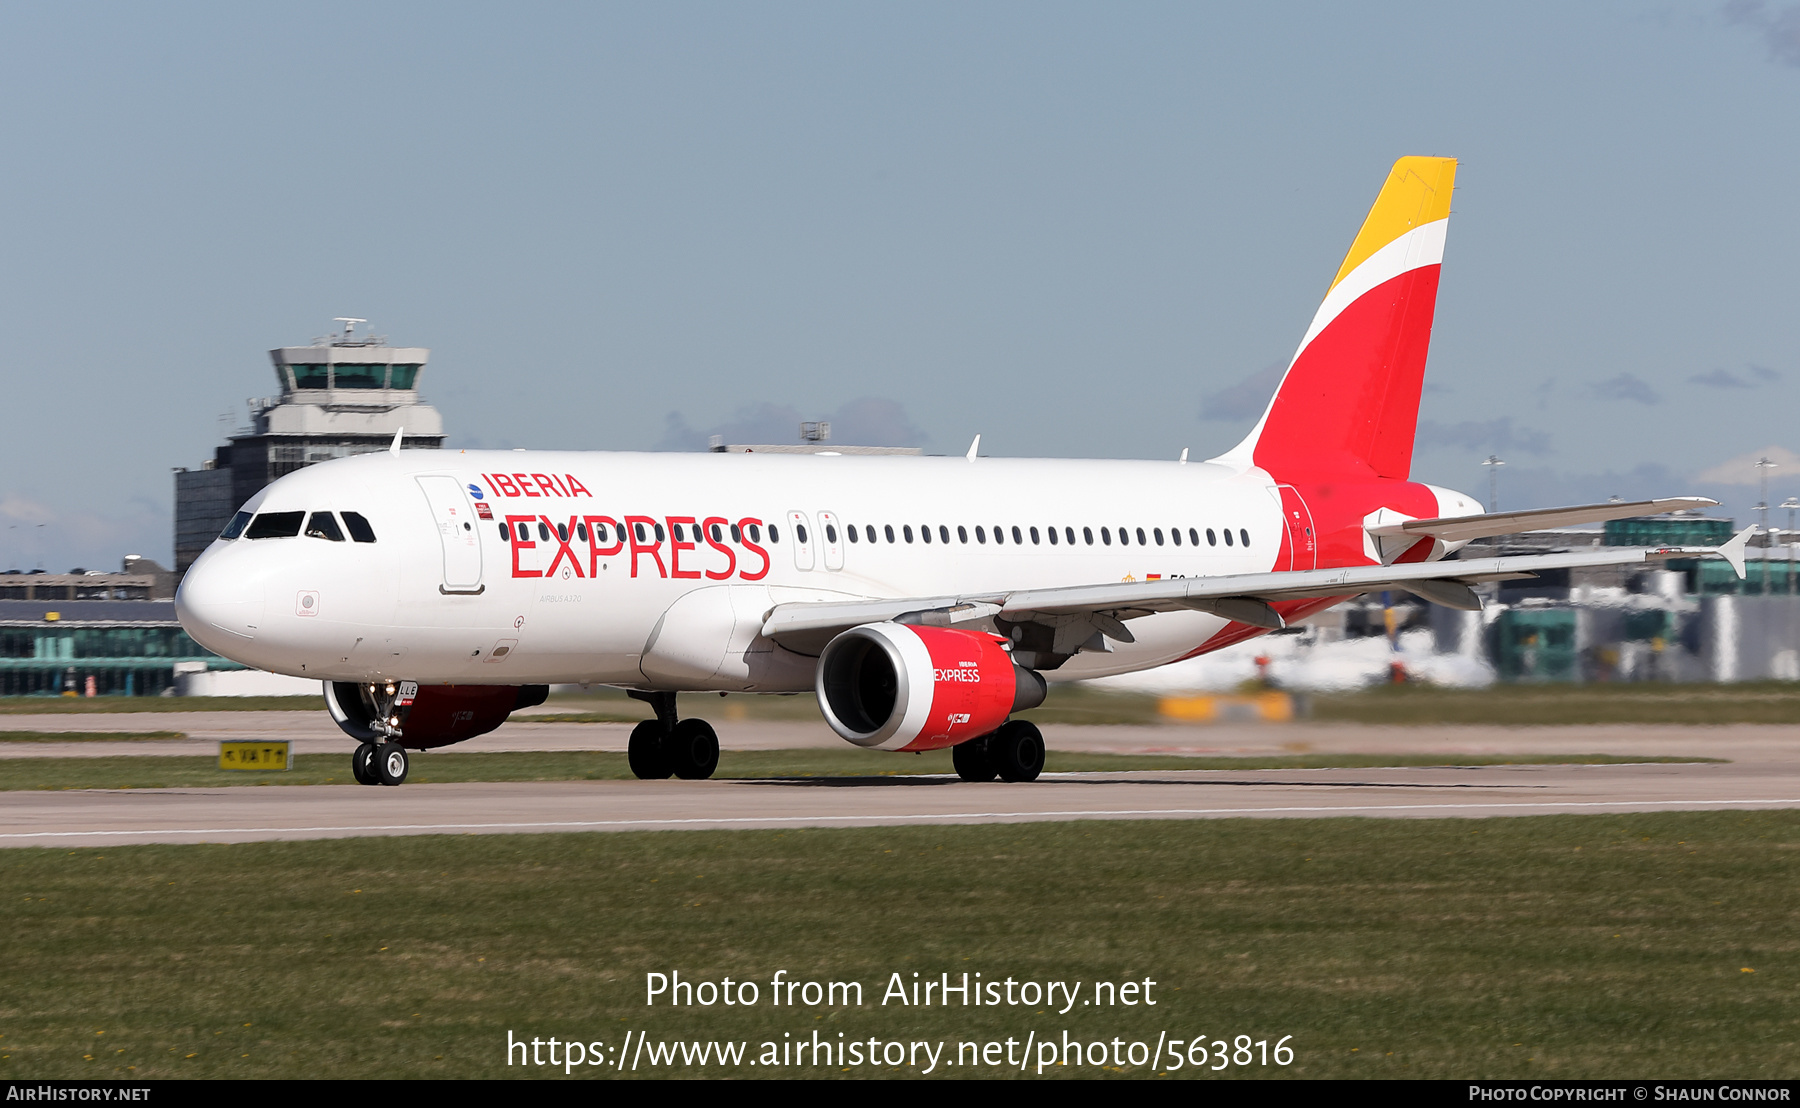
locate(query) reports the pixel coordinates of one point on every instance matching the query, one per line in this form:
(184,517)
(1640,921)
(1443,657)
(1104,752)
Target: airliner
(923,600)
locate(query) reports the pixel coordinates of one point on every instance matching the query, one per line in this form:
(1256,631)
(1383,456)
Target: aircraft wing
(1245,597)
(1463,528)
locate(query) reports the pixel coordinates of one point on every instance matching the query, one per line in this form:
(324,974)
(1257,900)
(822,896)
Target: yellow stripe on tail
(1417,192)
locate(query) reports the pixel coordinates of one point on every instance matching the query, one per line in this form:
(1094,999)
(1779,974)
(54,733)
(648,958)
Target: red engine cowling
(892,686)
(439,714)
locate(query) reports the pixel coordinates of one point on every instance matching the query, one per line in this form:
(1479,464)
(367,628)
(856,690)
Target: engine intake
(439,714)
(892,686)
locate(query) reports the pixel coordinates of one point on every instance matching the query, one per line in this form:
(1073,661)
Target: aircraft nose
(219,607)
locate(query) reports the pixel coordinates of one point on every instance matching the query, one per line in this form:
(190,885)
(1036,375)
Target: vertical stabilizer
(1349,402)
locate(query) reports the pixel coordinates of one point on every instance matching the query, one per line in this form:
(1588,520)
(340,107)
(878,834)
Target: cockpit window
(322,525)
(275,525)
(236,526)
(359,527)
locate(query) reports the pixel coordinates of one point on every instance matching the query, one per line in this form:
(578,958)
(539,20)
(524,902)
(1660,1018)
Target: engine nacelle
(439,714)
(892,686)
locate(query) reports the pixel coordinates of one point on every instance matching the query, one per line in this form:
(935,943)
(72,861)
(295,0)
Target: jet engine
(438,715)
(894,686)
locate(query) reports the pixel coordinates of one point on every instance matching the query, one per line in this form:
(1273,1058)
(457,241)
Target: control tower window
(403,376)
(275,525)
(323,526)
(311,376)
(359,527)
(236,526)
(357,376)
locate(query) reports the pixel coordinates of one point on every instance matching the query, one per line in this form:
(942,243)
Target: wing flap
(1122,600)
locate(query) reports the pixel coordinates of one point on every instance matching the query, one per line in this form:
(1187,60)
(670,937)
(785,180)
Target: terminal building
(345,394)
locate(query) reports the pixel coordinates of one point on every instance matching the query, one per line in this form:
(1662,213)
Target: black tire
(972,760)
(391,763)
(362,764)
(645,752)
(693,750)
(1017,750)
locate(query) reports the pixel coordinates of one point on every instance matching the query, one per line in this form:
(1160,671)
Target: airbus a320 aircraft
(922,600)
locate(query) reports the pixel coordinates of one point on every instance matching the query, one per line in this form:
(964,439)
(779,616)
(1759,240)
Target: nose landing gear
(659,747)
(383,761)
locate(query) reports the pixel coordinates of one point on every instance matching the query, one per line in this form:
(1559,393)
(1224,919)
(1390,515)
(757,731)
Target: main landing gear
(379,763)
(1013,753)
(688,748)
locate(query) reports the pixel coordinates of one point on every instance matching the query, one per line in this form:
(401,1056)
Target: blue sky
(1079,230)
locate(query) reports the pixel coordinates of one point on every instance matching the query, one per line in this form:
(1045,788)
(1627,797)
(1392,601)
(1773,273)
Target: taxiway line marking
(719,820)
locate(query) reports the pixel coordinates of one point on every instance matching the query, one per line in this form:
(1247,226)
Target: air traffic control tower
(345,394)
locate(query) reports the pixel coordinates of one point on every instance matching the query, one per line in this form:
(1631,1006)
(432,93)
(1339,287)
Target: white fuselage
(445,595)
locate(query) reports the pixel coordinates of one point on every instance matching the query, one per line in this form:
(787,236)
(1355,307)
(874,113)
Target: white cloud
(1742,470)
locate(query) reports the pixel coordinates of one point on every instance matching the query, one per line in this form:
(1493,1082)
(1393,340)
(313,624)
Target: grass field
(151,771)
(1403,705)
(88,736)
(1571,946)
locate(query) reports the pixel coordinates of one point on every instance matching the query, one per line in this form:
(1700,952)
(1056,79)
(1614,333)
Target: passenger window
(562,532)
(1227,536)
(869,530)
(1174,534)
(800,532)
(1106,536)
(1211,539)
(1243,537)
(659,532)
(275,525)
(1140,535)
(1069,533)
(889,528)
(1052,532)
(925,533)
(505,533)
(962,533)
(999,536)
(906,530)
(981,534)
(774,534)
(581,532)
(1193,537)
(943,532)
(636,527)
(543,533)
(851,531)
(323,525)
(1088,534)
(236,526)
(1124,537)
(1017,537)
(755,532)
(736,534)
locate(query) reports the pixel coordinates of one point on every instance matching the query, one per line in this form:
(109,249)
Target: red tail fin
(1349,403)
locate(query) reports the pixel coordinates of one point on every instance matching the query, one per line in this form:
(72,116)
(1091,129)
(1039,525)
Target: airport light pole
(1493,463)
(1763,466)
(1790,504)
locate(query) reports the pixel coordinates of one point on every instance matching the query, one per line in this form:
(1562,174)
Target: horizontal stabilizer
(1464,528)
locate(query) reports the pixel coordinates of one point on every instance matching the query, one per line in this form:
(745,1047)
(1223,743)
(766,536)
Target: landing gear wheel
(972,760)
(1017,750)
(362,764)
(693,750)
(391,763)
(645,752)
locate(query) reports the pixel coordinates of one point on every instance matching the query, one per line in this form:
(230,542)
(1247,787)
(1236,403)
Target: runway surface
(1763,772)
